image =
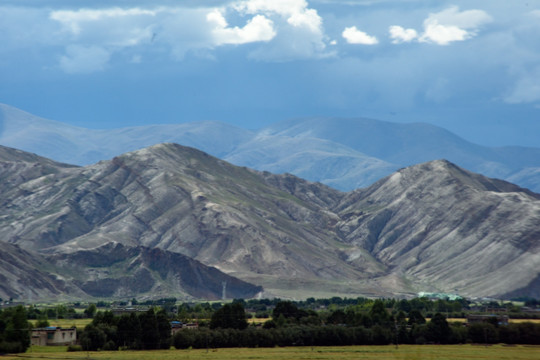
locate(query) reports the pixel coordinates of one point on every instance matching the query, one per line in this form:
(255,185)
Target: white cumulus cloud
(354,36)
(451,25)
(400,35)
(259,28)
(299,29)
(285,30)
(296,12)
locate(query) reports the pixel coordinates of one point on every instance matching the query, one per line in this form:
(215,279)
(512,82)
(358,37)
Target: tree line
(293,326)
(334,321)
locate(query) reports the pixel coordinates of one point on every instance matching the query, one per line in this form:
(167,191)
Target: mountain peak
(439,173)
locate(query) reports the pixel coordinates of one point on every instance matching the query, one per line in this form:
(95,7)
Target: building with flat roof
(54,336)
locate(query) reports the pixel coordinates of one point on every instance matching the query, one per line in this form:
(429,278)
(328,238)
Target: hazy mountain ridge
(343,153)
(409,144)
(432,226)
(76,145)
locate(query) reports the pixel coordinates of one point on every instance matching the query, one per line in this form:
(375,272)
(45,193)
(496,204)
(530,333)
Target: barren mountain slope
(449,229)
(246,223)
(112,271)
(432,226)
(25,275)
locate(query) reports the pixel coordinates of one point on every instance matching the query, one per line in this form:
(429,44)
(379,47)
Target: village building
(54,336)
(178,325)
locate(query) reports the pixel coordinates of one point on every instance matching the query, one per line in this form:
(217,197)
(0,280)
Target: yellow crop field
(403,352)
(511,321)
(66,323)
(517,321)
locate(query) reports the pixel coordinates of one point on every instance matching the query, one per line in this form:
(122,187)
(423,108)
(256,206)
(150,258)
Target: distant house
(175,327)
(54,336)
(178,325)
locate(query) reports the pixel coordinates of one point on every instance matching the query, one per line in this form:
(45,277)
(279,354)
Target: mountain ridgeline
(172,220)
(345,154)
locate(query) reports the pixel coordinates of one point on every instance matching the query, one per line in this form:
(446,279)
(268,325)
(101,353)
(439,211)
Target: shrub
(73,348)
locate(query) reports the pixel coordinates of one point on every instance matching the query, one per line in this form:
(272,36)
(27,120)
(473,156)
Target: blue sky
(472,67)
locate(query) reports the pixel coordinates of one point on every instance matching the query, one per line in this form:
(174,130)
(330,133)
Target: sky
(472,67)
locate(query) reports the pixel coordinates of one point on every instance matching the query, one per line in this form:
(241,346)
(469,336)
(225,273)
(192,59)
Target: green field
(404,352)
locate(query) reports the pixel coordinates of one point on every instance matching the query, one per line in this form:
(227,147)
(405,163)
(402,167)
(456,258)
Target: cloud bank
(280,30)
(367,58)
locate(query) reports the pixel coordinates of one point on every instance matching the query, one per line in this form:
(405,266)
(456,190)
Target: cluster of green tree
(292,326)
(451,308)
(168,304)
(229,316)
(144,331)
(14,330)
(197,311)
(425,305)
(55,312)
(334,335)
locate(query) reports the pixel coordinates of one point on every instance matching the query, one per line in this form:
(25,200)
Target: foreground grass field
(404,352)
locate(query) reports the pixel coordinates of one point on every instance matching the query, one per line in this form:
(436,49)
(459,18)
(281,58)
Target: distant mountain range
(343,153)
(172,220)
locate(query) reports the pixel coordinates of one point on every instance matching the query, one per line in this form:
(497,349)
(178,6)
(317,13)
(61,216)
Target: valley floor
(403,352)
